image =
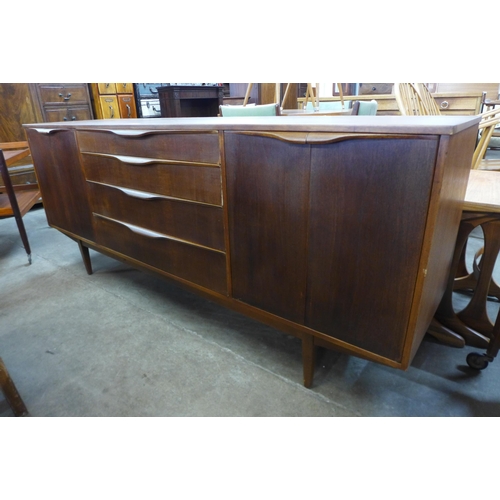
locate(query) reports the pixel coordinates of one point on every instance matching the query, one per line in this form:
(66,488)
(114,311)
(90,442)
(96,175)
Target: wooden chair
(365,108)
(10,392)
(427,98)
(409,101)
(489,123)
(16,200)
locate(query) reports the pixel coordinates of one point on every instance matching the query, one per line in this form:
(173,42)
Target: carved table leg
(475,314)
(85,256)
(308,359)
(448,325)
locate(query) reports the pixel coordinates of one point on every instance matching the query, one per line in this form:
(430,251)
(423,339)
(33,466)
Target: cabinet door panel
(369,201)
(267,184)
(109,106)
(126,103)
(64,191)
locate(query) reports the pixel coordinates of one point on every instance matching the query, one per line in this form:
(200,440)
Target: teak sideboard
(337,230)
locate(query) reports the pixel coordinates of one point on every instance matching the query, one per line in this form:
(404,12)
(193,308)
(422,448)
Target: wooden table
(336,230)
(472,325)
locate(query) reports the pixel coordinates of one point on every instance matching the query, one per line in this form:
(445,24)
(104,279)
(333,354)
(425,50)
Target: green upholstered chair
(328,105)
(250,110)
(365,107)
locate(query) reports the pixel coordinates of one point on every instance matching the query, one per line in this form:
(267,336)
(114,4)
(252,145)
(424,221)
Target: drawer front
(188,182)
(124,88)
(459,105)
(126,104)
(201,266)
(187,221)
(106,88)
(192,147)
(63,93)
(70,113)
(109,106)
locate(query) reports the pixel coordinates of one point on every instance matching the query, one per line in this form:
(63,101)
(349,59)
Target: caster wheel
(477,361)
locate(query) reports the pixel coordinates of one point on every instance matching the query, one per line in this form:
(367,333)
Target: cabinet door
(126,103)
(368,200)
(267,188)
(64,191)
(109,106)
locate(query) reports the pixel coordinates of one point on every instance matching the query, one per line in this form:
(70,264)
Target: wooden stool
(10,392)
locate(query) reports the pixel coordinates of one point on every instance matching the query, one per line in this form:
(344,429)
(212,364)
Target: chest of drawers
(337,230)
(64,101)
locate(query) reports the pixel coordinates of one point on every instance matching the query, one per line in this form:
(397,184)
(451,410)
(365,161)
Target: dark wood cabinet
(190,100)
(337,230)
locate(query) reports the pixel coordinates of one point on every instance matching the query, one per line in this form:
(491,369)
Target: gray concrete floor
(124,343)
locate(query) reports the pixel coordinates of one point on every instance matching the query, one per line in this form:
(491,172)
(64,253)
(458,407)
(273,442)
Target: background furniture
(16,200)
(34,103)
(365,108)
(190,100)
(279,218)
(259,110)
(63,101)
(458,104)
(113,100)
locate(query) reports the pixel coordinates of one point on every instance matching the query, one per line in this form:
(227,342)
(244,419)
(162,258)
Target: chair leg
(10,392)
(24,236)
(13,202)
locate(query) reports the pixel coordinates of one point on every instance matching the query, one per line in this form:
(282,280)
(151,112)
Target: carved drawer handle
(129,111)
(48,131)
(112,111)
(445,105)
(133,133)
(66,98)
(138,194)
(144,232)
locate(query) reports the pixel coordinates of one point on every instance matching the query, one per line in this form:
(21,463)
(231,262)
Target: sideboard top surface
(441,125)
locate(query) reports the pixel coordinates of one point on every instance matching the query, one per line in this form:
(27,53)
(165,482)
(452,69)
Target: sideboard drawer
(191,222)
(188,147)
(195,264)
(188,182)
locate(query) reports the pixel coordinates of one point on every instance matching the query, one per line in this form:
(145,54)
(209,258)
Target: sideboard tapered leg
(85,256)
(308,359)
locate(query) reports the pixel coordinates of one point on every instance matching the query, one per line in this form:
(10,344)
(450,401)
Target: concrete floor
(124,343)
